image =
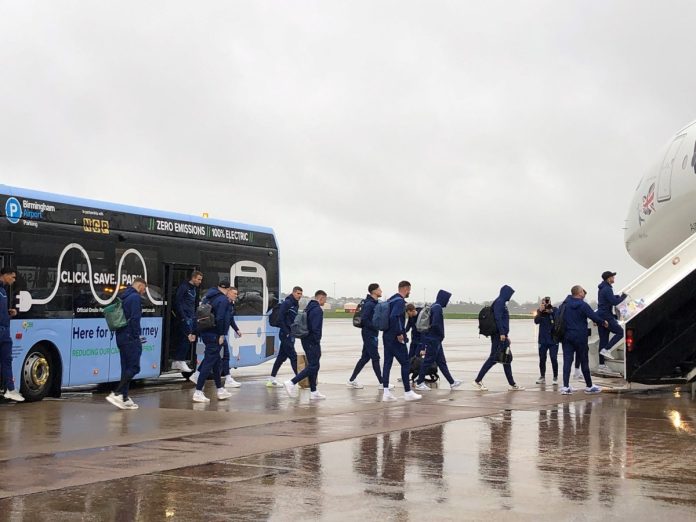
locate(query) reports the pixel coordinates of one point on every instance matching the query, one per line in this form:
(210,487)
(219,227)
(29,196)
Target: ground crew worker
(130,343)
(545,317)
(370,338)
(8,275)
(185,303)
(311,344)
(288,311)
(606,301)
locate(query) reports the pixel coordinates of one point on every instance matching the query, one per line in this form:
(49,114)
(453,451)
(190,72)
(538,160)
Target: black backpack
(205,318)
(274,316)
(487,326)
(559,326)
(357,316)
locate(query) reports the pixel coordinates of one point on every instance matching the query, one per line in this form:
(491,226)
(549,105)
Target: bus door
(174,275)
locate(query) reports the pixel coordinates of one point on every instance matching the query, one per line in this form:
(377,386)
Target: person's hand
(239,333)
(13,312)
(503,337)
(400,338)
(606,324)
(422,353)
(221,340)
(191,338)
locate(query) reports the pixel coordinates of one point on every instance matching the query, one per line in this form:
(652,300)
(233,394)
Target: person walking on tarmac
(129,343)
(288,311)
(412,312)
(7,278)
(232,294)
(185,303)
(545,317)
(311,344)
(499,341)
(606,301)
(575,313)
(394,339)
(432,341)
(370,338)
(214,339)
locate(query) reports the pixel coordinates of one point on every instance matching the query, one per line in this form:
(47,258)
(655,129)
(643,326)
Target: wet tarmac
(455,455)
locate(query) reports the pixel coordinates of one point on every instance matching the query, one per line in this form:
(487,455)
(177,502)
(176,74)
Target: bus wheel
(37,374)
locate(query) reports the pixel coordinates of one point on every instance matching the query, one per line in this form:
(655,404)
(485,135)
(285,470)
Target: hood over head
(443,297)
(506,293)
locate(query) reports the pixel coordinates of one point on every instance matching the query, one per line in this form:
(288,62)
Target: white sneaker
(130,405)
(194,377)
(479,386)
(422,387)
(412,396)
(555,381)
(516,387)
(231,383)
(181,365)
(566,390)
(593,389)
(14,395)
(606,354)
(116,400)
(199,396)
(316,396)
(223,394)
(354,384)
(290,388)
(603,368)
(272,383)
(578,376)
(541,380)
(391,386)
(387,396)
(455,384)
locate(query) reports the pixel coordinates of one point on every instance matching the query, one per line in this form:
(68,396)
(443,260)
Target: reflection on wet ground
(460,455)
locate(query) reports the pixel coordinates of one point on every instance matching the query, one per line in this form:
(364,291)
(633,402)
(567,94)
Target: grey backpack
(299,328)
(423,319)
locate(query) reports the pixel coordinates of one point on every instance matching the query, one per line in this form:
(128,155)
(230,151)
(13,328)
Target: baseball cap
(224,283)
(606,275)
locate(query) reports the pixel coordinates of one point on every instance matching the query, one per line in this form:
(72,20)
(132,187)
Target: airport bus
(74,255)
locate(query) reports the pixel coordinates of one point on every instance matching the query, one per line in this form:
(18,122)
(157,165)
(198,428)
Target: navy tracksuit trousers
(552,350)
(604,342)
(496,346)
(285,352)
(396,350)
(370,352)
(434,353)
(6,358)
(582,352)
(183,347)
(129,350)
(311,371)
(211,361)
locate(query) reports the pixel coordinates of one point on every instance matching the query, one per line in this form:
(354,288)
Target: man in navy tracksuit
(130,343)
(230,382)
(499,340)
(185,303)
(606,301)
(545,317)
(575,313)
(432,340)
(394,339)
(7,279)
(311,344)
(287,313)
(369,337)
(412,312)
(214,339)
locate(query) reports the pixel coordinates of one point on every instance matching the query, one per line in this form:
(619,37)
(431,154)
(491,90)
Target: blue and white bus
(73,256)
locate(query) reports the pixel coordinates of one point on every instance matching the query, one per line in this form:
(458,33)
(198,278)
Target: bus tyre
(37,374)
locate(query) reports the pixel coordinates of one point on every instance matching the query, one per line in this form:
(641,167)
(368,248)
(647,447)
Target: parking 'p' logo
(13,210)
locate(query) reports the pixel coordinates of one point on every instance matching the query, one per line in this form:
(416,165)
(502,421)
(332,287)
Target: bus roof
(127,209)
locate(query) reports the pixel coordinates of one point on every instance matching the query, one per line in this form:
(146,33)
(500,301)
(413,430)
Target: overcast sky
(460,145)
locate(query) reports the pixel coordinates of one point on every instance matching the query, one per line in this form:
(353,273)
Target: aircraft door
(664,183)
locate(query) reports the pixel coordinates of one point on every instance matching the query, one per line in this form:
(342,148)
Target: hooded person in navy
(432,341)
(606,301)
(288,311)
(370,338)
(576,312)
(499,341)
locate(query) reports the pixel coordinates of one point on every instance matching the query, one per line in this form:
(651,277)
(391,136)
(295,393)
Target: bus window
(250,298)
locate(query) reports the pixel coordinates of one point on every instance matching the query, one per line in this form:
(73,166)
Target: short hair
(576,290)
(196,273)
(410,307)
(233,288)
(297,289)
(319,293)
(372,287)
(403,284)
(8,270)
(139,280)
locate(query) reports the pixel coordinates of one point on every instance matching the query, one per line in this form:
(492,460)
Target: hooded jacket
(368,310)
(397,321)
(221,311)
(315,321)
(437,321)
(185,305)
(606,300)
(133,310)
(500,310)
(545,322)
(575,316)
(288,311)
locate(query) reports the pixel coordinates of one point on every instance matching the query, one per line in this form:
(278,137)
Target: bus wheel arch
(41,372)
